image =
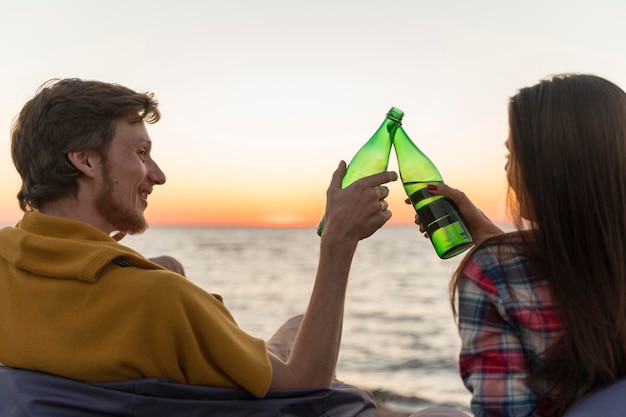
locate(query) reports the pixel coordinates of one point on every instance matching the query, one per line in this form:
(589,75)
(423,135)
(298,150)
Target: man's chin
(133,228)
(138,230)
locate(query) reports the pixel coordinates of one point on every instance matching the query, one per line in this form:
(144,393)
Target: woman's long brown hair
(568,150)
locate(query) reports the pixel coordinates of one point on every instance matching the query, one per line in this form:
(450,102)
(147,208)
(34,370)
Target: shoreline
(387,412)
(390,406)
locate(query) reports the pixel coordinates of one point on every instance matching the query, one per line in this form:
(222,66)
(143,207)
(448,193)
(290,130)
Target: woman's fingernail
(432,187)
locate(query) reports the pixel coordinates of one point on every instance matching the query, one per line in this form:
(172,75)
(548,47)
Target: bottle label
(438,213)
(442,222)
(420,195)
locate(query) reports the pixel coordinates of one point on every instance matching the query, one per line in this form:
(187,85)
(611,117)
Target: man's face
(129,174)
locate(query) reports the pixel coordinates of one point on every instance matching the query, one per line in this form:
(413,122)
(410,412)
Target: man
(75,303)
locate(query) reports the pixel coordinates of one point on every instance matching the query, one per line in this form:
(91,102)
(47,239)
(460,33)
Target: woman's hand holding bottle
(478,224)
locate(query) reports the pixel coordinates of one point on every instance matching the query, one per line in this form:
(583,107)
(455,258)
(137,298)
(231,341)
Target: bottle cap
(395,114)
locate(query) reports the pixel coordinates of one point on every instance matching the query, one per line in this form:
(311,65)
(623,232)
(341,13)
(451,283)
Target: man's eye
(142,154)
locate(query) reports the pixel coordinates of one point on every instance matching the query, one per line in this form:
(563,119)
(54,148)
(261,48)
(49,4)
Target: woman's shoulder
(499,250)
(501,262)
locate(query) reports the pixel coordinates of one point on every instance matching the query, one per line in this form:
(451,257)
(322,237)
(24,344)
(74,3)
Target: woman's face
(508,166)
(513,178)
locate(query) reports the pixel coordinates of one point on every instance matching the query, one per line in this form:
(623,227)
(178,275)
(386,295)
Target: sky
(261,99)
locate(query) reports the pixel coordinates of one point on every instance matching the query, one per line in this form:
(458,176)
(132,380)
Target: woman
(542,311)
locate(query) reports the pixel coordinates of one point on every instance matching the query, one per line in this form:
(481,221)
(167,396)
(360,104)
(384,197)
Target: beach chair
(25,393)
(607,402)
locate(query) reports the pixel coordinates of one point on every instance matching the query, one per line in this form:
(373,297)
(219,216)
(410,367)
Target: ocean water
(399,337)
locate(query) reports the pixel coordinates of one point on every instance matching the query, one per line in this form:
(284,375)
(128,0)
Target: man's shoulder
(153,283)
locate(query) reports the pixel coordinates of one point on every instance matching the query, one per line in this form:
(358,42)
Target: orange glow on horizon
(299,206)
(287,212)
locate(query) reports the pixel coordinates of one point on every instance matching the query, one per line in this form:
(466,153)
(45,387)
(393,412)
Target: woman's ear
(85,161)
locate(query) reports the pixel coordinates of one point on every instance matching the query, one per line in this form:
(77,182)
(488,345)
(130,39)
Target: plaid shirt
(506,322)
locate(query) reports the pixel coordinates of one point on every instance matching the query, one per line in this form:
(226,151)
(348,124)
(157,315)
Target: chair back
(607,402)
(26,393)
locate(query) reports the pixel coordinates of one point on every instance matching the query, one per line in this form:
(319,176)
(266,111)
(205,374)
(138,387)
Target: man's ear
(85,161)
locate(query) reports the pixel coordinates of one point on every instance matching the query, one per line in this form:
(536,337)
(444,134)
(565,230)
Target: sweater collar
(56,247)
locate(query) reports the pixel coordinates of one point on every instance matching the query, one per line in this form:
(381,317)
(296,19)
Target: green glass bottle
(438,214)
(373,157)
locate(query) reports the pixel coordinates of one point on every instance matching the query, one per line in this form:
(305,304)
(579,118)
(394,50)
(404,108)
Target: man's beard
(125,220)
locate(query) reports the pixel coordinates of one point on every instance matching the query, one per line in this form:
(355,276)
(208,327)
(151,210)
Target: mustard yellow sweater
(67,309)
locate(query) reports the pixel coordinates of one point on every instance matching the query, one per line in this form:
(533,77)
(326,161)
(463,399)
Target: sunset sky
(262,98)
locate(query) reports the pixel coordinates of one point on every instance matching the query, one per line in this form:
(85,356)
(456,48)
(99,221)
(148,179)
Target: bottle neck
(395,115)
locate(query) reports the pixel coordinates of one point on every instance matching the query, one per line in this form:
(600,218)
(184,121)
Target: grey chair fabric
(607,402)
(36,394)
